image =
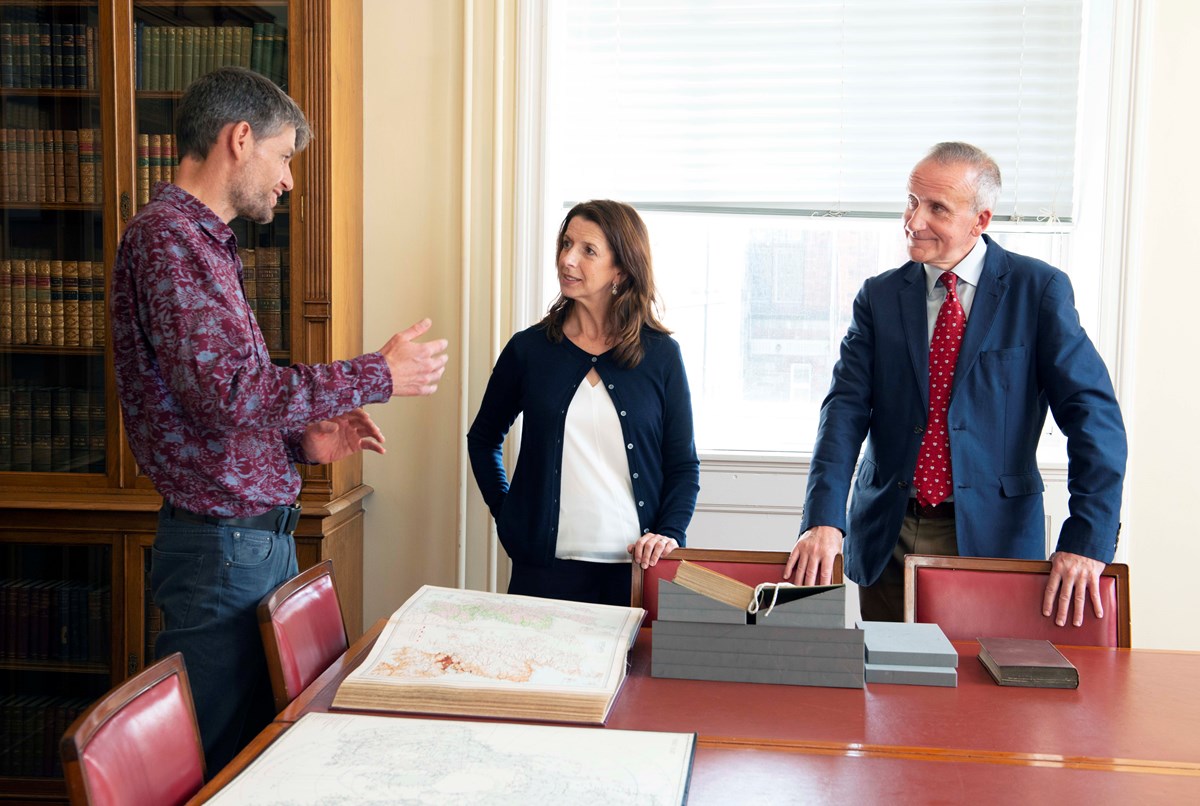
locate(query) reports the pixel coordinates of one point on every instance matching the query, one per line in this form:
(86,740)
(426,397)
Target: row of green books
(52,429)
(168,58)
(50,165)
(53,303)
(47,55)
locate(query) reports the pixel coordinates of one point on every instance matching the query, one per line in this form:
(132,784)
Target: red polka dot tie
(933,478)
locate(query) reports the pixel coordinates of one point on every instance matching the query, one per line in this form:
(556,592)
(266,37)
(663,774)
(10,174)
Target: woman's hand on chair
(649,548)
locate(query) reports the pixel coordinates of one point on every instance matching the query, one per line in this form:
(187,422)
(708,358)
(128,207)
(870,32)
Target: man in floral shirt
(211,421)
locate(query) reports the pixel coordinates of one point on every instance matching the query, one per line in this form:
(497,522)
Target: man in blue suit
(1022,349)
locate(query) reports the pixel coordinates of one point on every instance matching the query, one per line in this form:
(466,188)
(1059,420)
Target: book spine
(70,169)
(67,55)
(80,440)
(87,165)
(20,305)
(59,146)
(97,431)
(90,52)
(99,317)
(45,59)
(245,37)
(6,55)
(143,169)
(41,429)
(139,55)
(60,429)
(56,55)
(279,55)
(86,334)
(57,310)
(258,48)
(6,312)
(270,319)
(249,278)
(155,161)
(45,312)
(81,57)
(5,441)
(70,295)
(171,58)
(188,45)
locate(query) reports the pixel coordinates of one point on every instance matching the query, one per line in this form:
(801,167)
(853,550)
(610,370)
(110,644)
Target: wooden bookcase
(77,155)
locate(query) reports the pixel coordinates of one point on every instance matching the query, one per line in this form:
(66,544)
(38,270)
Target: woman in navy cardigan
(607,471)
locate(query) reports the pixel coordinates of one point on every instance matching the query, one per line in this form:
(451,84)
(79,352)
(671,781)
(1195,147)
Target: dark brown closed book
(1030,662)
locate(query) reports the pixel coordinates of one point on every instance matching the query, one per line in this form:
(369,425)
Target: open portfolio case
(713,627)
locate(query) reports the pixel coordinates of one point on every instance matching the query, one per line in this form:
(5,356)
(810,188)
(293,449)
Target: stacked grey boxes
(802,641)
(914,654)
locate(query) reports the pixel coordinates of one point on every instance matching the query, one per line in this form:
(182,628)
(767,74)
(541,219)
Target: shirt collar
(969,269)
(197,210)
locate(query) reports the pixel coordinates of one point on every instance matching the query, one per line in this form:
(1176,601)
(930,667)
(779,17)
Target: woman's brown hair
(634,305)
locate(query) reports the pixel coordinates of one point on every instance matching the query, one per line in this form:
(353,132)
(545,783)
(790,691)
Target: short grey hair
(231,95)
(987,172)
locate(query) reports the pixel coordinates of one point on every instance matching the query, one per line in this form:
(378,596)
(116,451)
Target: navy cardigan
(537,377)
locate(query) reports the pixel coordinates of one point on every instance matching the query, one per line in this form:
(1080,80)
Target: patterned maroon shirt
(213,423)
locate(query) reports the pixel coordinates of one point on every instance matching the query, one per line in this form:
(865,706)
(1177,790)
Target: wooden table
(1129,733)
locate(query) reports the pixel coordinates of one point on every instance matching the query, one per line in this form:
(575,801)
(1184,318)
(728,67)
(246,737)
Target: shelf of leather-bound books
(56,648)
(81,149)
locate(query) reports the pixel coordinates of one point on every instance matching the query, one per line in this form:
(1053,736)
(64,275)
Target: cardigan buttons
(629,446)
(641,503)
(610,386)
(622,414)
(635,475)
(594,359)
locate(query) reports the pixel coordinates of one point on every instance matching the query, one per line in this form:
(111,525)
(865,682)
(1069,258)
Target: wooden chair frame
(1119,572)
(266,614)
(724,556)
(75,741)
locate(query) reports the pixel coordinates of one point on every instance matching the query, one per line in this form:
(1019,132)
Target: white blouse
(597,517)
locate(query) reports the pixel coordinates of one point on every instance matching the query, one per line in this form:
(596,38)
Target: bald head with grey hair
(986,178)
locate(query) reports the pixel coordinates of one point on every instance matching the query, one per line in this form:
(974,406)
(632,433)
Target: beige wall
(413,88)
(1163,494)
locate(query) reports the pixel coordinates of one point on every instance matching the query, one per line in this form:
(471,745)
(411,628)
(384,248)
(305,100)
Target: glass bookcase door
(175,43)
(53,409)
(56,655)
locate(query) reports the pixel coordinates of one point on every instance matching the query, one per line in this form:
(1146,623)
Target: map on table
(335,759)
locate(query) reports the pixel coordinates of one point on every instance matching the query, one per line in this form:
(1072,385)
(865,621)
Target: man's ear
(981,223)
(239,138)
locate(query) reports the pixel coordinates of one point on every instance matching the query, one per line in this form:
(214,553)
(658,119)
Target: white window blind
(809,105)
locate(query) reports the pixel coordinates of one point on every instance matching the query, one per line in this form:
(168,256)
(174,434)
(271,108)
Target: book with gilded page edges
(471,653)
(1030,662)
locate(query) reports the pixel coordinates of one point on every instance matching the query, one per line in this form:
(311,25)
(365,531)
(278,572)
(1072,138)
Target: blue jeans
(208,581)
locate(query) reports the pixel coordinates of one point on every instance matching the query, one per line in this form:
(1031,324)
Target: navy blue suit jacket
(1023,350)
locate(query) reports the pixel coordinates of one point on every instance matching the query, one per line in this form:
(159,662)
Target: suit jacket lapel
(992,287)
(914,316)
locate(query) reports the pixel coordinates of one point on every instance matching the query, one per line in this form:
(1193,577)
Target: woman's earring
(614,288)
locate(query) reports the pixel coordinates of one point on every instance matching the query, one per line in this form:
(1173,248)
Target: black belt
(281,519)
(942,511)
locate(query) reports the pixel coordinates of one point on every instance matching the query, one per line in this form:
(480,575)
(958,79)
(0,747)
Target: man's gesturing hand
(416,367)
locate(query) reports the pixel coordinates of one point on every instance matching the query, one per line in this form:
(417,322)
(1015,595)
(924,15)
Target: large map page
(451,637)
(335,759)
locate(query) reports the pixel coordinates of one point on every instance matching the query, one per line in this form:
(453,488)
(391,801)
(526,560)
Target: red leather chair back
(139,745)
(751,567)
(1006,601)
(303,631)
